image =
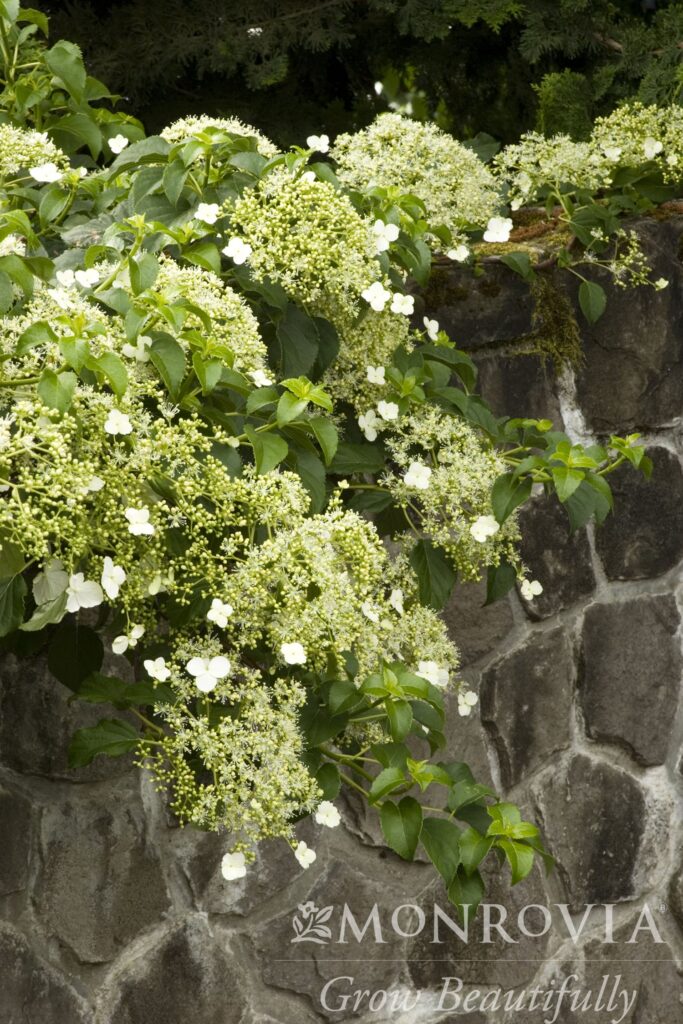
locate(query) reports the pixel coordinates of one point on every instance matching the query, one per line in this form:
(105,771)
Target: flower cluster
(536,163)
(30,151)
(215,127)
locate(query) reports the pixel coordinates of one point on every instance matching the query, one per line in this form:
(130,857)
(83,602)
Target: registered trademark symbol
(663,908)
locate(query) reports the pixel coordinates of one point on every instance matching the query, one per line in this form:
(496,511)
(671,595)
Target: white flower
(294,653)
(612,153)
(320,143)
(651,147)
(138,520)
(484,527)
(396,600)
(403,304)
(377,296)
(530,589)
(431,327)
(466,701)
(376,374)
(45,172)
(498,229)
(672,159)
(384,234)
(207,671)
(219,612)
(433,673)
(82,593)
(369,611)
(118,143)
(51,582)
(61,297)
(96,483)
(260,379)
(304,855)
(661,284)
(459,254)
(113,577)
(327,814)
(159,584)
(207,212)
(87,278)
(118,422)
(65,277)
(233,866)
(388,410)
(368,423)
(139,351)
(120,644)
(308,176)
(237,250)
(417,475)
(156,668)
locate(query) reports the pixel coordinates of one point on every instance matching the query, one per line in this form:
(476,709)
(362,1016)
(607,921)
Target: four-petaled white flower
(233,866)
(87,278)
(376,295)
(320,143)
(219,612)
(304,854)
(208,671)
(376,374)
(467,699)
(327,814)
(404,304)
(433,673)
(651,147)
(484,527)
(294,653)
(384,234)
(612,153)
(95,483)
(530,589)
(661,283)
(113,577)
(156,669)
(139,351)
(118,143)
(459,254)
(260,378)
(368,423)
(65,278)
(45,172)
(396,600)
(388,410)
(82,593)
(431,327)
(237,250)
(117,422)
(498,229)
(369,612)
(120,644)
(138,522)
(417,475)
(207,212)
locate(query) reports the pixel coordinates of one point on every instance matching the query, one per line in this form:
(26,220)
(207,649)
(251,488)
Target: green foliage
(564,104)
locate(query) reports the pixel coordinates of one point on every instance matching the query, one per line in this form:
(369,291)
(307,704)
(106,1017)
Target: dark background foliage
(297,66)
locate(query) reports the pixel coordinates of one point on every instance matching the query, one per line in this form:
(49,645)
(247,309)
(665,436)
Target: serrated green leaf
(269,449)
(401,825)
(112,737)
(441,839)
(436,576)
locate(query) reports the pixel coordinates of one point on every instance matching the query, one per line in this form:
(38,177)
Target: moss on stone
(555,332)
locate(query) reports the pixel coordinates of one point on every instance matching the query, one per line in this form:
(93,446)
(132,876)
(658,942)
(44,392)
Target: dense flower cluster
(189,127)
(535,163)
(397,152)
(21,150)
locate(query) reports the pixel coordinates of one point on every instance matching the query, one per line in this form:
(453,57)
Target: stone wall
(110,914)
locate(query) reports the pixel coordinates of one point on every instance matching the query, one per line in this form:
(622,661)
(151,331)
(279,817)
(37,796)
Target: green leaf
(506,494)
(173,180)
(400,715)
(9,9)
(75,130)
(52,204)
(75,651)
(143,272)
(12,593)
(585,502)
(441,840)
(289,407)
(6,292)
(65,62)
(519,856)
(436,576)
(520,263)
(149,150)
(39,333)
(356,458)
(328,778)
(298,337)
(592,300)
(387,780)
(169,359)
(100,689)
(327,436)
(208,372)
(313,476)
(269,449)
(401,825)
(111,736)
(473,848)
(499,580)
(566,481)
(57,390)
(46,614)
(114,369)
(466,893)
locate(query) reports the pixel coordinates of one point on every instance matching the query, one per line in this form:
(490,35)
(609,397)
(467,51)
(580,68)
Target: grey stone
(520,386)
(16,826)
(558,559)
(593,818)
(632,377)
(101,882)
(187,977)
(37,723)
(631,647)
(643,537)
(474,628)
(676,894)
(33,992)
(526,704)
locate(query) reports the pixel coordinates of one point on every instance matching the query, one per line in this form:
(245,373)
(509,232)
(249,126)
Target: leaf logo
(310,926)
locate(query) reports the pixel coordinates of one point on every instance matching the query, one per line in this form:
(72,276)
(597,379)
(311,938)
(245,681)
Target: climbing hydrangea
(21,150)
(187,127)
